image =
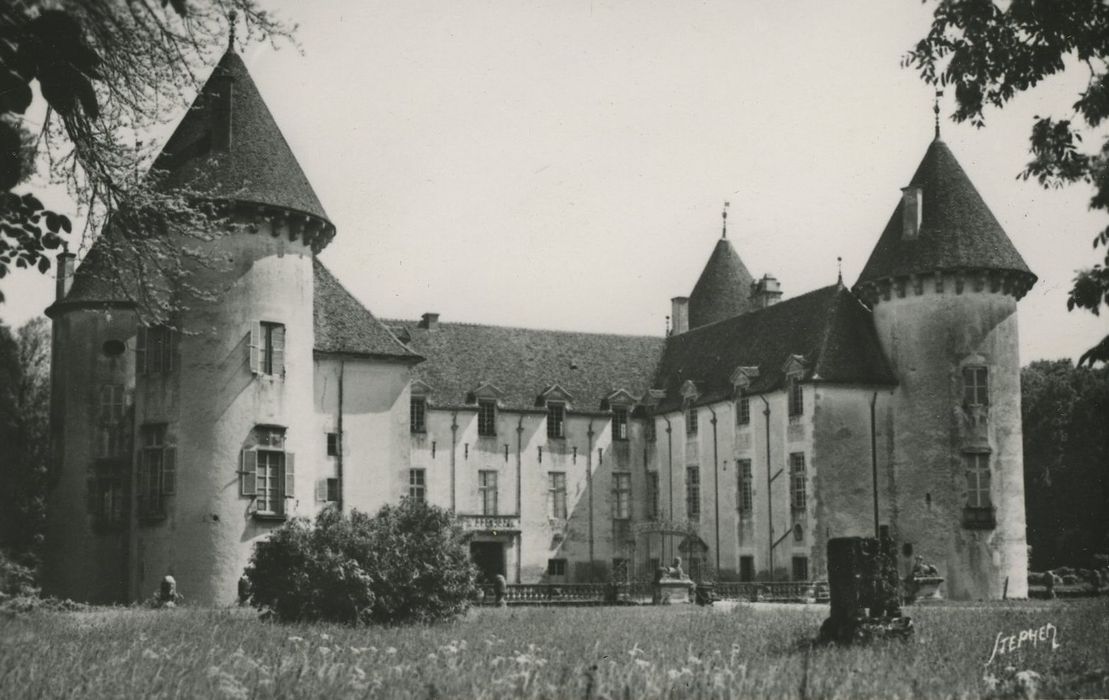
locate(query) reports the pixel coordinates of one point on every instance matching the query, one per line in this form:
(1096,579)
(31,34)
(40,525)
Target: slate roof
(724,288)
(523,362)
(958,231)
(257,167)
(343,325)
(829,327)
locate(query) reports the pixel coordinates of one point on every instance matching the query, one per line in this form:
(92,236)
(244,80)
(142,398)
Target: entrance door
(489,558)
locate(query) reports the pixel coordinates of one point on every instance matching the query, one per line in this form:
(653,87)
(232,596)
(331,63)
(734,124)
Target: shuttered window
(268,472)
(267,349)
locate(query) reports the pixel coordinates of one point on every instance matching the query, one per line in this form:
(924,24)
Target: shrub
(404,564)
(17,574)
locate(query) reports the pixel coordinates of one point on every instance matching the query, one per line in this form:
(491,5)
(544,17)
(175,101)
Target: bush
(17,574)
(406,564)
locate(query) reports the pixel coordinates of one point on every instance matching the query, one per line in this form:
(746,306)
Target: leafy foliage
(1066,462)
(24,434)
(990,52)
(406,564)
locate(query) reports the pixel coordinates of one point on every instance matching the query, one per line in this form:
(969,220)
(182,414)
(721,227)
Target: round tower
(219,400)
(943,283)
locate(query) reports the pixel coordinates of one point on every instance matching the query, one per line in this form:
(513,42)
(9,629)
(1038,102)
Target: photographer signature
(1033,636)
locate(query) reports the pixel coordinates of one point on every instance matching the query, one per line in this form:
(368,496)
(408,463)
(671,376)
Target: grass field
(678,651)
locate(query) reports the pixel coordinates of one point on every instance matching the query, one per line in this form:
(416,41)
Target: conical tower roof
(958,232)
(723,290)
(229,147)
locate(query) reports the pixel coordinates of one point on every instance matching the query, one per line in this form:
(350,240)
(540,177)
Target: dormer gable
(619,397)
(689,391)
(420,389)
(486,391)
(741,378)
(554,393)
(794,367)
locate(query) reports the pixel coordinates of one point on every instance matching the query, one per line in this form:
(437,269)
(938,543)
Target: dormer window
(796,397)
(556,419)
(417,415)
(619,422)
(486,417)
(976,389)
(743,411)
(691,421)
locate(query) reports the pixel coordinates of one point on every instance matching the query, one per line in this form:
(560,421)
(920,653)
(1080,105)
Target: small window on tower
(976,390)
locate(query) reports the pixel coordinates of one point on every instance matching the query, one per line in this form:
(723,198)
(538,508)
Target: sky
(564,164)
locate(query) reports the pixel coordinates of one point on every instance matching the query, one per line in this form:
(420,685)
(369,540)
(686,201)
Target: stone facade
(742,442)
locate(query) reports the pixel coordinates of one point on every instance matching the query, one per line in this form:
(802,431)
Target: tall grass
(677,651)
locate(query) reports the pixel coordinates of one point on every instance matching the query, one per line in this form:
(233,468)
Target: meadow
(738,651)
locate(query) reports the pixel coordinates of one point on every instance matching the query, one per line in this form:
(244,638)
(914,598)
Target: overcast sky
(563,164)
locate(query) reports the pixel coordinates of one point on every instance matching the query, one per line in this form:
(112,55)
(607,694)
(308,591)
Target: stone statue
(500,591)
(675,570)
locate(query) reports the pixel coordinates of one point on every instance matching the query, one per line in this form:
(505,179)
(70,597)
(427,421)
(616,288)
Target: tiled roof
(343,325)
(111,274)
(523,362)
(256,167)
(958,231)
(829,328)
(724,288)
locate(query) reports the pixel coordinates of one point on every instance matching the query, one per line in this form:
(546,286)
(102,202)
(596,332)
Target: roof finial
(839,270)
(232,19)
(936,110)
(724,216)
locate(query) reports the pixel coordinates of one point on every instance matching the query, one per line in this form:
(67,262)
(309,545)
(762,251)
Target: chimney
(912,209)
(64,278)
(429,321)
(766,292)
(679,315)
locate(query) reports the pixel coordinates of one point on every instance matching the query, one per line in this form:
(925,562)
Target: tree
(1066,462)
(990,54)
(405,564)
(108,71)
(24,434)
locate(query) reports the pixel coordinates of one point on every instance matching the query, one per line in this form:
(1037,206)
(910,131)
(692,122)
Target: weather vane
(839,269)
(724,216)
(232,18)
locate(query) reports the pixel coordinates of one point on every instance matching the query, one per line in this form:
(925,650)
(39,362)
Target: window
(267,349)
(154,350)
(556,567)
(333,444)
(486,417)
(417,415)
(743,411)
(113,434)
(622,495)
(800,568)
(107,501)
(797,487)
(487,490)
(327,490)
(796,398)
(976,390)
(691,421)
(652,495)
(157,476)
(556,492)
(978,480)
(556,420)
(417,488)
(744,495)
(619,423)
(693,493)
(267,472)
(649,433)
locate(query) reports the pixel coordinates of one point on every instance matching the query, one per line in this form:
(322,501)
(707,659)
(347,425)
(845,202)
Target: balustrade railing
(612,594)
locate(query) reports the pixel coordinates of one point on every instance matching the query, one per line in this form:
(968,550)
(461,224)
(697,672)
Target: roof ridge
(748,314)
(830,320)
(471,324)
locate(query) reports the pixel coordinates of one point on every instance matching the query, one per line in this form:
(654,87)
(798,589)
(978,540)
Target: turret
(943,282)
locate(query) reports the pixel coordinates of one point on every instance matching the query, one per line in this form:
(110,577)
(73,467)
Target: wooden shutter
(290,472)
(321,490)
(169,471)
(278,350)
(256,347)
(248,473)
(140,351)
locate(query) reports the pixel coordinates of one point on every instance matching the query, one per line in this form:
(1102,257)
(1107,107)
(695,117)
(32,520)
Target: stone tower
(943,282)
(208,412)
